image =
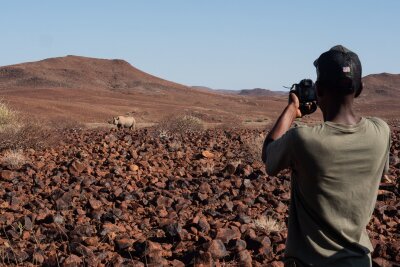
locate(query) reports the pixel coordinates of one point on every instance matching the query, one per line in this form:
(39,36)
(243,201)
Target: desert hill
(380,96)
(80,72)
(384,84)
(93,90)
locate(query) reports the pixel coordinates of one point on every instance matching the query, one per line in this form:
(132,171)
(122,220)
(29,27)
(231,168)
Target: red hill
(80,72)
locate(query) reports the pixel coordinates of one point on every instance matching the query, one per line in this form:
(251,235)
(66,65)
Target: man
(336,168)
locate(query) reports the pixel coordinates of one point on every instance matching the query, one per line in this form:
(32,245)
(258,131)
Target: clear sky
(231,44)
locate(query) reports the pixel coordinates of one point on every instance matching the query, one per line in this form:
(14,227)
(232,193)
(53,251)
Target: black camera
(305,91)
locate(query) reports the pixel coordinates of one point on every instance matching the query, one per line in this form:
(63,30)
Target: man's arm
(282,125)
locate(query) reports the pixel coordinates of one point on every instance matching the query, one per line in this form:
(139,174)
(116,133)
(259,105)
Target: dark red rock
(245,259)
(238,245)
(226,234)
(204,225)
(7,175)
(204,260)
(217,249)
(72,261)
(76,167)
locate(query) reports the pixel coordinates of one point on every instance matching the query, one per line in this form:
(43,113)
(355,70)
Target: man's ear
(359,90)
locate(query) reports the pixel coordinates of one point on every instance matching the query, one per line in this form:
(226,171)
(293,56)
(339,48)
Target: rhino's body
(125,122)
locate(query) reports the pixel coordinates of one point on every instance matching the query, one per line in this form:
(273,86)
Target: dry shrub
(254,145)
(7,115)
(179,125)
(13,159)
(27,134)
(19,132)
(268,224)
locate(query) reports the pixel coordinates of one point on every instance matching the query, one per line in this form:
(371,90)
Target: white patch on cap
(346,69)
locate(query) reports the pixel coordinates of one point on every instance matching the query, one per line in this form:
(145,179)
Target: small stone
(247,183)
(217,249)
(242,218)
(226,234)
(204,225)
(76,167)
(245,258)
(133,167)
(58,219)
(124,243)
(38,258)
(7,175)
(239,245)
(95,204)
(204,260)
(277,264)
(205,188)
(207,154)
(228,206)
(280,248)
(72,261)
(230,169)
(173,229)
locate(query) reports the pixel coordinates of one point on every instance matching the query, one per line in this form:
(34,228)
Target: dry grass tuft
(268,224)
(13,159)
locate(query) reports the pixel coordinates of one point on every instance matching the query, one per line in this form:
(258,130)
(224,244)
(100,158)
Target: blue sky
(221,44)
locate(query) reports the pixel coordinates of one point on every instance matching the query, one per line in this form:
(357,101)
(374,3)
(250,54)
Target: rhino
(124,122)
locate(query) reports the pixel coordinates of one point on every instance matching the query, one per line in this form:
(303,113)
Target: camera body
(305,91)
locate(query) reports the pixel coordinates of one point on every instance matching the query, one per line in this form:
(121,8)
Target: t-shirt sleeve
(279,153)
(386,169)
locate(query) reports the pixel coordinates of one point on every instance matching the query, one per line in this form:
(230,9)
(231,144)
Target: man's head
(338,72)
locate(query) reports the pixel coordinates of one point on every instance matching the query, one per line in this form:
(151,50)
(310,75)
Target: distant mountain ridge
(260,92)
(242,92)
(80,72)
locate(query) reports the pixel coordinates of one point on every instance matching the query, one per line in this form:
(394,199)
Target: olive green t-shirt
(336,170)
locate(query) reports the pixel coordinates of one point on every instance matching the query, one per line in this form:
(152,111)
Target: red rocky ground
(107,198)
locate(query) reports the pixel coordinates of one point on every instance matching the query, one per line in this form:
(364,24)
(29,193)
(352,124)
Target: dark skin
(335,107)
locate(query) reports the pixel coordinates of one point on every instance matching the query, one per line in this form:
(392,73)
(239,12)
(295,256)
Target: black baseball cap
(339,68)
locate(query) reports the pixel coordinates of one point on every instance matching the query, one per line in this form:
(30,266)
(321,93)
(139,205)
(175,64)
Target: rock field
(120,198)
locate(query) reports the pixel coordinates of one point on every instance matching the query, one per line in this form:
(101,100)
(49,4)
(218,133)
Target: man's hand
(294,101)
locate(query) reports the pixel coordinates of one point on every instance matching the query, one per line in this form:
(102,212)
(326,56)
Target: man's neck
(342,113)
